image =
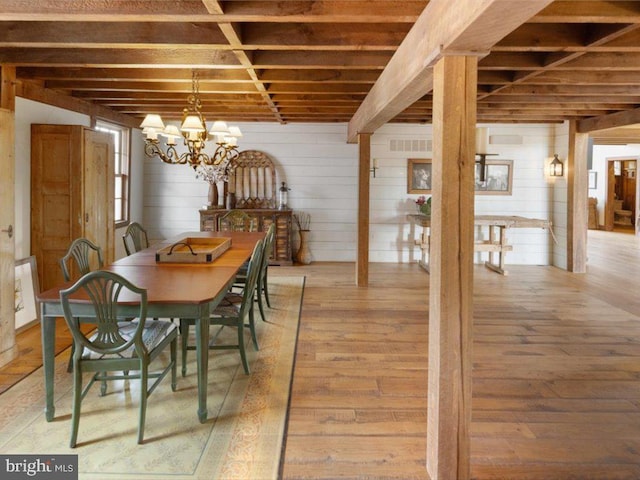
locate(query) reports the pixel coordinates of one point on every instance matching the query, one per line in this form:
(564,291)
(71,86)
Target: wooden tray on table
(194,250)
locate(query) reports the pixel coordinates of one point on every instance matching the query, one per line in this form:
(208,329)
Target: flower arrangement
(424,204)
(212,173)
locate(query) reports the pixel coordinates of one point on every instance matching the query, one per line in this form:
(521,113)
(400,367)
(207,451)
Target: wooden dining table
(174,290)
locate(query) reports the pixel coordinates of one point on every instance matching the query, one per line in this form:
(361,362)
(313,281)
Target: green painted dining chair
(235,311)
(87,256)
(135,238)
(117,344)
(262,287)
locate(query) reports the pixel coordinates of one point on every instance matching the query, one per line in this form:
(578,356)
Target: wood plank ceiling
(310,61)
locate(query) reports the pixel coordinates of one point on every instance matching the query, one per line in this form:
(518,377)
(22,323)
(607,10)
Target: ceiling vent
(409,145)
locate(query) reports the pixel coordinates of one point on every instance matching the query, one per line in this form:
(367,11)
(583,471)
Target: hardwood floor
(556,392)
(556,372)
(30,353)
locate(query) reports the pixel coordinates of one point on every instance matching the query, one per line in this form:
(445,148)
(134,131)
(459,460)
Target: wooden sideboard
(282,254)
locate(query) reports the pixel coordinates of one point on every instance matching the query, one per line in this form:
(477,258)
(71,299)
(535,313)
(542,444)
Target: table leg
(48,329)
(202,355)
(425,241)
(491,240)
(503,250)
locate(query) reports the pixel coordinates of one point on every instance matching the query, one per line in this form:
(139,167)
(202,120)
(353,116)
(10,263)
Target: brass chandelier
(194,132)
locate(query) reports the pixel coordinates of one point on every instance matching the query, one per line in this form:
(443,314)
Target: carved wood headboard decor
(252,178)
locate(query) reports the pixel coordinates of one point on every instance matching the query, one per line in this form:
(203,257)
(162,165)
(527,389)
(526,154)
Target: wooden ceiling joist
(315,54)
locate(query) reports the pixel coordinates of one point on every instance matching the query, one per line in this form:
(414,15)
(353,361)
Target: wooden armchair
(117,345)
(235,311)
(262,286)
(135,238)
(86,255)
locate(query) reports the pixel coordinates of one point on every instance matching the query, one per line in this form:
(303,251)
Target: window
(121,144)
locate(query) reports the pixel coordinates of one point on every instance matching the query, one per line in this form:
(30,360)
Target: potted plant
(424,205)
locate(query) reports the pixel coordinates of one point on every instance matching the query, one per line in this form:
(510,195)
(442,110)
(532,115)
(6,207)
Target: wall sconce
(556,167)
(374,168)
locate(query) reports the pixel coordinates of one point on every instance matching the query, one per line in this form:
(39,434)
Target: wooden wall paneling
(317,153)
(364,167)
(577,200)
(451,273)
(7,242)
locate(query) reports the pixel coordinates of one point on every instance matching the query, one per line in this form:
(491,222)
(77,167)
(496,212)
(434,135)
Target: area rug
(242,439)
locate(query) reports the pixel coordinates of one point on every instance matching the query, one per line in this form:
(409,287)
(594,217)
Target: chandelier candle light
(194,132)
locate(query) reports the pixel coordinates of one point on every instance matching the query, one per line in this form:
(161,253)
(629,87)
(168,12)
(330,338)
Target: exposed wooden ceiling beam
(553,61)
(49,97)
(233,35)
(588,11)
(574,57)
(613,120)
(474,26)
(328,11)
(619,136)
(137,57)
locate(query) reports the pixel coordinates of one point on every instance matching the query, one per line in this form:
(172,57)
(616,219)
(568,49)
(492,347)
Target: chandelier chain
(193,130)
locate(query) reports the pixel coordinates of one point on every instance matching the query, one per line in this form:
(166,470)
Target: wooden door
(610,196)
(72,182)
(7,238)
(56,204)
(98,195)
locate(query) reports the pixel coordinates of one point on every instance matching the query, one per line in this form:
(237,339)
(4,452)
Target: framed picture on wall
(26,288)
(419,175)
(498,178)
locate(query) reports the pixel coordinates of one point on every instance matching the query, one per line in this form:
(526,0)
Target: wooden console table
(495,244)
(282,248)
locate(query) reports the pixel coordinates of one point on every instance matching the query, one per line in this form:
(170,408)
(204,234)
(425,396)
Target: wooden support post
(364,166)
(577,200)
(451,275)
(8,349)
(8,87)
